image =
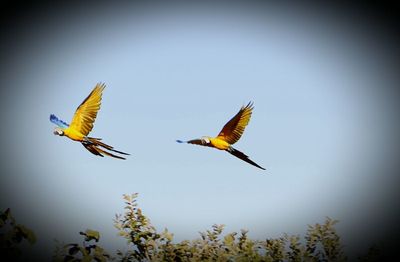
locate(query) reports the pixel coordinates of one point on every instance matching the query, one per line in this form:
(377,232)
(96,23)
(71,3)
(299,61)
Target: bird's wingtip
(180,141)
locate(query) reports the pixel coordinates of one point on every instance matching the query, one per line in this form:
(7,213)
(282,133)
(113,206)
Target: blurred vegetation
(12,235)
(89,251)
(320,243)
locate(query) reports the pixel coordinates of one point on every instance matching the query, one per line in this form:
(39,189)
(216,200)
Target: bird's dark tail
(93,145)
(242,156)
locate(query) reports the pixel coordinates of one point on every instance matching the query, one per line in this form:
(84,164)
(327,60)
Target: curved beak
(58,131)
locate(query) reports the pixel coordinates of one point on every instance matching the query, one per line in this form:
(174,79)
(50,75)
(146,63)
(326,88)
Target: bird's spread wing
(86,113)
(199,141)
(243,156)
(58,121)
(233,130)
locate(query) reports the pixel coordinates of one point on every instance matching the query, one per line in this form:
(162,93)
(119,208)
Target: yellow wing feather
(86,113)
(233,130)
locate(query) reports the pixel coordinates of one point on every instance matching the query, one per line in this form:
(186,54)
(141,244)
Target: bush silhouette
(321,243)
(12,235)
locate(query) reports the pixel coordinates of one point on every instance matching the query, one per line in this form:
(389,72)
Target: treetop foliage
(321,243)
(13,234)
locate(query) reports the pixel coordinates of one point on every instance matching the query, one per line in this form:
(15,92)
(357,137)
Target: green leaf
(169,236)
(5,215)
(91,235)
(27,233)
(86,258)
(74,249)
(229,240)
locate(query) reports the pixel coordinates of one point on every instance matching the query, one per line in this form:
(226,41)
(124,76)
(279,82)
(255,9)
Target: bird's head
(206,139)
(58,131)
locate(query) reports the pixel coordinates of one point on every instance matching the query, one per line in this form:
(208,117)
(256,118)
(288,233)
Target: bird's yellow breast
(73,134)
(219,143)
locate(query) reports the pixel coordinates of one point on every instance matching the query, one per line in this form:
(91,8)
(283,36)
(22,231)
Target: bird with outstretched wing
(230,134)
(82,124)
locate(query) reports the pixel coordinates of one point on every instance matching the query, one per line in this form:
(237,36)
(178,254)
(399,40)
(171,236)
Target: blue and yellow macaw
(230,134)
(82,124)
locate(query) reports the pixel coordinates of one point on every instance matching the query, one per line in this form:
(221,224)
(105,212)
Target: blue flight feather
(58,122)
(180,141)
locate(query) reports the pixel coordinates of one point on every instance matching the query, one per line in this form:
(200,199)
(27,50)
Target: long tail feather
(97,142)
(92,149)
(109,154)
(242,156)
(93,145)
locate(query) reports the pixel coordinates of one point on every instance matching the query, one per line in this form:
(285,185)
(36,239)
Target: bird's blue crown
(58,122)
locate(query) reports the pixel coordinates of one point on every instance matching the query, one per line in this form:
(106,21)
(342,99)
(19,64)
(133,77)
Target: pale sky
(321,127)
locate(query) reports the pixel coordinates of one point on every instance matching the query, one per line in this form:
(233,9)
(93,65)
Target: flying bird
(82,124)
(230,134)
